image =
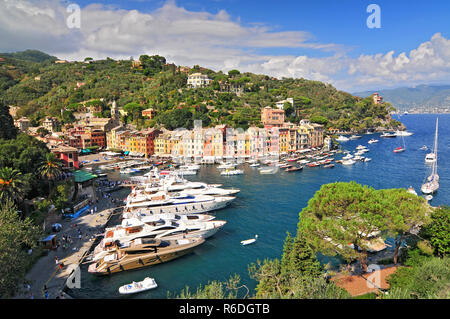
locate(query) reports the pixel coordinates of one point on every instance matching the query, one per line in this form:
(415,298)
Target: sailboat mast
(435,147)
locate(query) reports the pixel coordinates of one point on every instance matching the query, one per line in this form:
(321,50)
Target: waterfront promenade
(46,273)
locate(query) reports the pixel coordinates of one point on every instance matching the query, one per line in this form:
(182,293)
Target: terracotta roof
(357,285)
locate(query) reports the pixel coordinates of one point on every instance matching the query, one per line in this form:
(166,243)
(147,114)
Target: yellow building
(164,144)
(314,132)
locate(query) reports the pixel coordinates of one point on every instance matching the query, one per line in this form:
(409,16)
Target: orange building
(272,117)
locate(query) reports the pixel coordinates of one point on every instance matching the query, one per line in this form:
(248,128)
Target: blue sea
(269,206)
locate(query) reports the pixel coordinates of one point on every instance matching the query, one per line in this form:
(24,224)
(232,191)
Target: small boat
(315,164)
(367,159)
(347,157)
(254,165)
(430,158)
(399,149)
(294,169)
(373,141)
(249,241)
(355,137)
(348,162)
(424,148)
(428,197)
(328,166)
(135,287)
(270,170)
(232,172)
(386,134)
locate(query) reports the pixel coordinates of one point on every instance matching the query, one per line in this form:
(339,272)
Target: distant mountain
(420,96)
(30,56)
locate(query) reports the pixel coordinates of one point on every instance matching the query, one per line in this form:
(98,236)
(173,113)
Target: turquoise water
(268,205)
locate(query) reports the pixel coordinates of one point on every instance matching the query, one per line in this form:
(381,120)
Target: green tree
(50,168)
(16,236)
(402,212)
(216,290)
(42,131)
(340,220)
(437,231)
(12,185)
(7,128)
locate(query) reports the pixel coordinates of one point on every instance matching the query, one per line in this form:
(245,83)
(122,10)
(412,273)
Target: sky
(324,40)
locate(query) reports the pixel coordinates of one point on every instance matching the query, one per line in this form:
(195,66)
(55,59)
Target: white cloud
(216,41)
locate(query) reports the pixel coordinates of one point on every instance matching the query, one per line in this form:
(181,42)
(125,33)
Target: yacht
(387,135)
(227,166)
(146,218)
(143,252)
(189,167)
(187,172)
(133,228)
(181,203)
(403,133)
(342,138)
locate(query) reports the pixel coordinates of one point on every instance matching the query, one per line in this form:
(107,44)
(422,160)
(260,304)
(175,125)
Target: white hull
(189,208)
(135,287)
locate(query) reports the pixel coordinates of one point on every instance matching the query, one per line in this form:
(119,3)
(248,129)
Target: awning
(48,238)
(83,176)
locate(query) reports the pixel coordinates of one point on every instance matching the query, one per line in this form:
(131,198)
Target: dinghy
(249,241)
(135,287)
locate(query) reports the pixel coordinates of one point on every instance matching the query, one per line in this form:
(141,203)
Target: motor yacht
(143,252)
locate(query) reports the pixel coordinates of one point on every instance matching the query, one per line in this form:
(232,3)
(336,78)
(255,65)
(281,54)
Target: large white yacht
(178,203)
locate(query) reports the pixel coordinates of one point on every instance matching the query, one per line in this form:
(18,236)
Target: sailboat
(432,183)
(400,148)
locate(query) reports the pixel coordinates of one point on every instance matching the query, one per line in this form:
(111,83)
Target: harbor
(276,199)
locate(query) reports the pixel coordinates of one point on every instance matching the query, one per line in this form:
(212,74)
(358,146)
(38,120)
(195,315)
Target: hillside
(419,96)
(46,88)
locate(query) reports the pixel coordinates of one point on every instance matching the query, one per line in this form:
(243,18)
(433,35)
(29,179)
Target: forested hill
(33,81)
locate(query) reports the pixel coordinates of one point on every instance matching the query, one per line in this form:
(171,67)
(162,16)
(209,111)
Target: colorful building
(272,117)
(68,155)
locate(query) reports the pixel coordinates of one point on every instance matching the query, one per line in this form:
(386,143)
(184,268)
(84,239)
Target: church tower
(114,111)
